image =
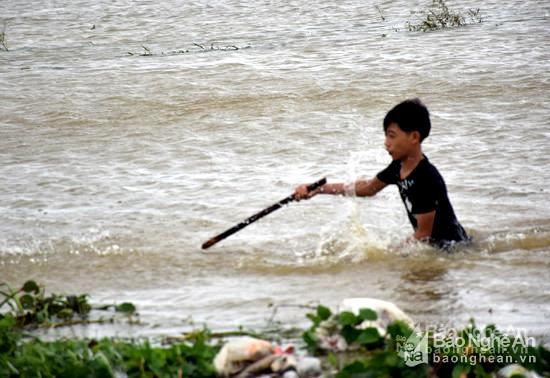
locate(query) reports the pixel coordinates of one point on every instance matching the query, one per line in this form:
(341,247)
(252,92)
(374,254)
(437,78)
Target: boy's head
(410,115)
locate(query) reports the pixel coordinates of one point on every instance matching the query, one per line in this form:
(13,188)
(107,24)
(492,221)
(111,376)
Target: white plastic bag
(238,353)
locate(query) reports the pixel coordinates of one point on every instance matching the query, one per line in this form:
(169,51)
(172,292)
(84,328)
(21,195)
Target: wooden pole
(259,215)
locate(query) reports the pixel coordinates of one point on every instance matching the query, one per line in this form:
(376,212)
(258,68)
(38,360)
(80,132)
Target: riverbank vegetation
(345,342)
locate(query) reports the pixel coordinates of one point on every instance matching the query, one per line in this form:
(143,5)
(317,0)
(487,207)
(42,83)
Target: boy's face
(400,144)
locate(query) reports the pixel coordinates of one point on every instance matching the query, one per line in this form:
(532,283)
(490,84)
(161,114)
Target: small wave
(93,241)
(506,241)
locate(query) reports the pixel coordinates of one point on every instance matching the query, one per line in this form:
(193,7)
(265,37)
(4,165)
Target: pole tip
(208,244)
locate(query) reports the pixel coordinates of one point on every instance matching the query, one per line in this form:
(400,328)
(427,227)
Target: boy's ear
(416,136)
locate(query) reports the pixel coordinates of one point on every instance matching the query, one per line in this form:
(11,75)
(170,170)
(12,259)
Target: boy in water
(420,185)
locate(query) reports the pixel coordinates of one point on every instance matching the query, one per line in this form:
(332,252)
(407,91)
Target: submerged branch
(200,49)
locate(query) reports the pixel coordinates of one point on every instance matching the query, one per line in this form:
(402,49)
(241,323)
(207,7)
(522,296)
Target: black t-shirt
(423,191)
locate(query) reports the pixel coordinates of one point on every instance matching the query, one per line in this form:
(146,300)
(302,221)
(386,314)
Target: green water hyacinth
(471,352)
(31,308)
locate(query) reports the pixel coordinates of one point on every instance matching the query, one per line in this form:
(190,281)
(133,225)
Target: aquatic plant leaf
(126,307)
(31,286)
(65,313)
(350,333)
(27,301)
(398,328)
(84,308)
(356,368)
(101,367)
(348,318)
(314,319)
(7,321)
(310,340)
(42,316)
(369,336)
(323,312)
(368,314)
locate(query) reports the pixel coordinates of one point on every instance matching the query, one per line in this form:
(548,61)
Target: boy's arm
(360,188)
(425,224)
(368,188)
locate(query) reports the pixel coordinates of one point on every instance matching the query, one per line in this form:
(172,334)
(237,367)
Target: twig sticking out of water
(380,12)
(441,17)
(3,39)
(147,51)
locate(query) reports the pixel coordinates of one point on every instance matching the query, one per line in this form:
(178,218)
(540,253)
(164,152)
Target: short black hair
(410,115)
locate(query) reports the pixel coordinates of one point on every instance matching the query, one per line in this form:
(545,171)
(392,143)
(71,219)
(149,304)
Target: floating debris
(439,16)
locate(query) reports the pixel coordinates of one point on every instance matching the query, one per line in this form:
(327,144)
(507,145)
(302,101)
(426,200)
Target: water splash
(351,241)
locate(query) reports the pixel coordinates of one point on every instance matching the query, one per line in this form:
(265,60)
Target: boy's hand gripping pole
(259,215)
